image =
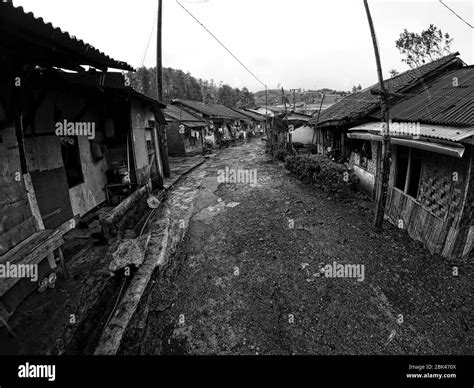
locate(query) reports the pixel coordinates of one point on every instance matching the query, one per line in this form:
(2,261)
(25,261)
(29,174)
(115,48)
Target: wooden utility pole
(317,119)
(159,92)
(269,131)
(383,178)
(294,98)
(159,54)
(290,143)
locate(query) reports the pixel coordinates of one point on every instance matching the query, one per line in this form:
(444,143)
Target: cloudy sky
(296,43)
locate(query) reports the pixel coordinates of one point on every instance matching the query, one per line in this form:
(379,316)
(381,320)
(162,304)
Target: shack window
(365,154)
(72,161)
(408,170)
(149,147)
(415,175)
(402,167)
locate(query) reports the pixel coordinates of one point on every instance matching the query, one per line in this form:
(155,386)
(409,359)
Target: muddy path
(246,278)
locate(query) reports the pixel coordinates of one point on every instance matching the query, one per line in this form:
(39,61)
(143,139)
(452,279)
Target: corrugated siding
(420,224)
(447,101)
(364,102)
(15,18)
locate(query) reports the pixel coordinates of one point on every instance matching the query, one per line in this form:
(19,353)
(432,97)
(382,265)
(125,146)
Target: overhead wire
(149,40)
(470,25)
(223,45)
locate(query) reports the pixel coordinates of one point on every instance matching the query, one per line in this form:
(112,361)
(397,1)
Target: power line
(222,44)
(149,40)
(441,1)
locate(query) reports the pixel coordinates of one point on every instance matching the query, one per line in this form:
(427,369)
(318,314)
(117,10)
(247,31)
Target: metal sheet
(453,151)
(450,133)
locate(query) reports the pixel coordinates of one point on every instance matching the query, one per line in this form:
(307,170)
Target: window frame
(409,172)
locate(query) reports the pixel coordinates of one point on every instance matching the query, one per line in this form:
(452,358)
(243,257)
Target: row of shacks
(191,123)
(431,187)
(72,134)
(65,135)
(75,136)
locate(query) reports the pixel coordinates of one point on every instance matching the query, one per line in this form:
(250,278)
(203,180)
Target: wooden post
(63,263)
(386,144)
(159,93)
(159,157)
(290,144)
(159,60)
(317,120)
(269,131)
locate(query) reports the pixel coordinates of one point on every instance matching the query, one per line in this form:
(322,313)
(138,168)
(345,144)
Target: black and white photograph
(246,182)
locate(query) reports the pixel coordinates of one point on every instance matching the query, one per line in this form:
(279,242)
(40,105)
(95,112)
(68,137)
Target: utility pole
(159,92)
(290,144)
(269,131)
(317,119)
(382,187)
(294,98)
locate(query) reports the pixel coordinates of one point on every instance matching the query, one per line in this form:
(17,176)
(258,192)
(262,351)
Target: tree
(354,89)
(180,85)
(144,80)
(393,73)
(423,48)
(248,99)
(226,95)
(359,88)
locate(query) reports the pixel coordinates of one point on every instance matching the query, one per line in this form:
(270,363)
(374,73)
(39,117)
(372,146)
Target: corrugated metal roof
(440,132)
(440,101)
(212,110)
(456,151)
(358,105)
(174,113)
(43,44)
(298,116)
(251,114)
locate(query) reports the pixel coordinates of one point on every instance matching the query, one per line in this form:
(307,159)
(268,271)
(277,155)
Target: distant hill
(275,96)
(180,85)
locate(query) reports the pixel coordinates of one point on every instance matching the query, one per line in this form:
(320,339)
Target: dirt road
(247,278)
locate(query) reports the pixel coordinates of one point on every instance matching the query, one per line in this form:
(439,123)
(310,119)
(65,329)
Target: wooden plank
(51,260)
(30,192)
(34,244)
(43,249)
(16,235)
(33,251)
(52,194)
(14,214)
(11,191)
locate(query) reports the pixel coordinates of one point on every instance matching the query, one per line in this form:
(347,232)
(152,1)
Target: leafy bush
(328,175)
(280,151)
(281,154)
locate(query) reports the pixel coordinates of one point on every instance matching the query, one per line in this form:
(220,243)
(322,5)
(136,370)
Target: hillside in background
(180,85)
(307,97)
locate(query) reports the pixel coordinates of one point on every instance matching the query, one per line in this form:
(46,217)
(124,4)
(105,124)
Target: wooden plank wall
(420,224)
(16,220)
(460,239)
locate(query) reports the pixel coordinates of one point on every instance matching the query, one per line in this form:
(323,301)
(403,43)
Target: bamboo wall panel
(420,224)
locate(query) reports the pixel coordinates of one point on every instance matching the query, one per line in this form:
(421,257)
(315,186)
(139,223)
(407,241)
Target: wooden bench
(40,249)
